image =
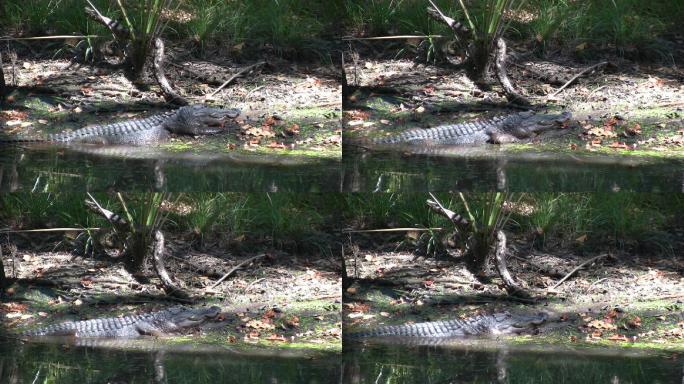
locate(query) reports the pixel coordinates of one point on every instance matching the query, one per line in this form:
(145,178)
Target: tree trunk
(138,248)
(478,62)
(3,279)
(477,257)
(3,87)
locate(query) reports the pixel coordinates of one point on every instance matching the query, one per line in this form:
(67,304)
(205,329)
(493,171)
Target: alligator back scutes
(463,133)
(110,132)
(105,327)
(479,325)
(446,328)
(154,323)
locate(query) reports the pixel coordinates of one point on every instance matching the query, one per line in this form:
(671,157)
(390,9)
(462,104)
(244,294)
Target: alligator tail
(20,140)
(52,330)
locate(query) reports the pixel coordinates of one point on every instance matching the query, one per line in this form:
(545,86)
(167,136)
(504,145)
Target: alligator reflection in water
(50,167)
(485,169)
(501,364)
(52,362)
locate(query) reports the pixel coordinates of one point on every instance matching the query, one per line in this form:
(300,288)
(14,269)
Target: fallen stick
(577,269)
(235,269)
(235,76)
(577,76)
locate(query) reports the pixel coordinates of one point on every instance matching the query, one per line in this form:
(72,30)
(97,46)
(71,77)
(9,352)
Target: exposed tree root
(501,74)
(158,261)
(500,262)
(169,94)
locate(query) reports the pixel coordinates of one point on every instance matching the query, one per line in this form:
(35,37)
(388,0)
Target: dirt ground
(288,108)
(623,107)
(280,299)
(622,298)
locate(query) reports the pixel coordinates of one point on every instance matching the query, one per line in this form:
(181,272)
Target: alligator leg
(502,138)
(145,328)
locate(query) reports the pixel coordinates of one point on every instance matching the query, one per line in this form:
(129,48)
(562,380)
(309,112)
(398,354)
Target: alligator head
(507,323)
(199,119)
(527,124)
(188,317)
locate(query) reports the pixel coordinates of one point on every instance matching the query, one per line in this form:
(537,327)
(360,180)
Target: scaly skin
(481,325)
(195,119)
(497,130)
(153,323)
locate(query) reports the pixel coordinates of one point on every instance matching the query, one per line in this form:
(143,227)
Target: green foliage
(560,215)
(377,17)
(551,16)
(285,216)
(42,17)
(616,220)
(392,17)
(213,20)
(283,26)
(145,23)
(371,211)
(624,24)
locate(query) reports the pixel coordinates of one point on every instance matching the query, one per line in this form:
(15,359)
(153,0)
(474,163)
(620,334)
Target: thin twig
(235,76)
(58,37)
(397,37)
(577,269)
(392,230)
(589,69)
(235,269)
(51,230)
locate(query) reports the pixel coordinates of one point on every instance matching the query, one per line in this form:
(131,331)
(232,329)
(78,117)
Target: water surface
(66,363)
(375,364)
(43,167)
(481,169)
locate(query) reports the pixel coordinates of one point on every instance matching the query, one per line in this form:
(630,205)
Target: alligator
(197,119)
(153,323)
(481,325)
(497,130)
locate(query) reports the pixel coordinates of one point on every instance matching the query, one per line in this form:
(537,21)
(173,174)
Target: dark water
(55,363)
(50,168)
(397,171)
(403,364)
